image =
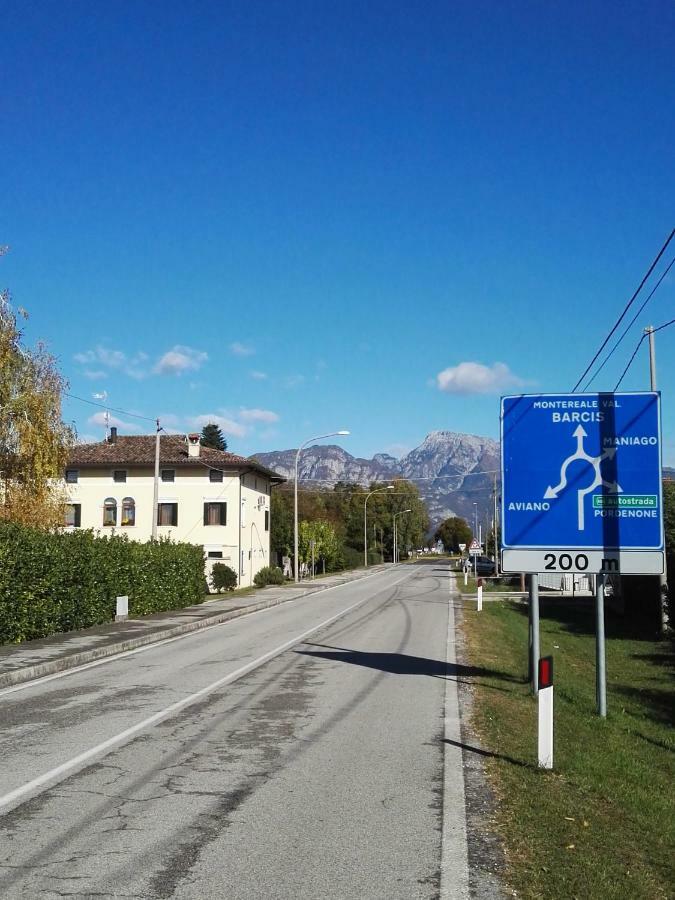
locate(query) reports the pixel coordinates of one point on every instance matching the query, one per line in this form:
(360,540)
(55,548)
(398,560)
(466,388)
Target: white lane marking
(13,798)
(454,849)
(36,682)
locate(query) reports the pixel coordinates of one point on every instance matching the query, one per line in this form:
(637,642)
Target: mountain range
(452,471)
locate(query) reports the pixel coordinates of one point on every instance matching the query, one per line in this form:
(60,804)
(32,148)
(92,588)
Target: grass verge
(490,585)
(600,825)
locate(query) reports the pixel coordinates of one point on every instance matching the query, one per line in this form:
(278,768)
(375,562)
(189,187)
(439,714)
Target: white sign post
(480,594)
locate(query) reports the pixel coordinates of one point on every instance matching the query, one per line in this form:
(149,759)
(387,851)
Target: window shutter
(78,515)
(206,513)
(223,513)
(174,514)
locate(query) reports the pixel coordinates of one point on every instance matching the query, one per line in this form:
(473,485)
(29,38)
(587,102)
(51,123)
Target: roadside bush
(52,582)
(269,575)
(223,577)
(351,558)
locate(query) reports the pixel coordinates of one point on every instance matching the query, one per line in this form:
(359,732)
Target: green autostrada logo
(625,501)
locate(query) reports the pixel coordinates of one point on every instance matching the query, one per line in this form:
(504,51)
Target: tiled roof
(173,451)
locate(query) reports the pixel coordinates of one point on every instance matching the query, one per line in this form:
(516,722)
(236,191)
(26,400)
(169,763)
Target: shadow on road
(481,752)
(402,664)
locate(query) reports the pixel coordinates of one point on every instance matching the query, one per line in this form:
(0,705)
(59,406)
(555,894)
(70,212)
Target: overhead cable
(625,310)
(630,325)
(639,344)
(123,412)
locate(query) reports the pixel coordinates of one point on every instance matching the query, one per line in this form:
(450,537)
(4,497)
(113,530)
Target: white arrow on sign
(596,461)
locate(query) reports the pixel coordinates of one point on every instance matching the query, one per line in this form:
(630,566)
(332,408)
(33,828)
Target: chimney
(193,444)
(113,435)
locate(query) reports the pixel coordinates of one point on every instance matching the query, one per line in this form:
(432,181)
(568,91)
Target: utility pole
(155,493)
(663,579)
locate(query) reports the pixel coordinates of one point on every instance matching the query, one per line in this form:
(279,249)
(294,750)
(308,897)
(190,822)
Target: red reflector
(545,672)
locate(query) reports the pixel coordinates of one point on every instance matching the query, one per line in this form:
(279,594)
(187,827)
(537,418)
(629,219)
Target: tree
(34,441)
(212,437)
(326,544)
(281,524)
(453,532)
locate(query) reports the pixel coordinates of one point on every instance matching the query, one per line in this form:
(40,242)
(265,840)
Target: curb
(54,666)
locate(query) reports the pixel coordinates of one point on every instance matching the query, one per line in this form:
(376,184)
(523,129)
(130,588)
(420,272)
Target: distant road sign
(462,548)
(581,483)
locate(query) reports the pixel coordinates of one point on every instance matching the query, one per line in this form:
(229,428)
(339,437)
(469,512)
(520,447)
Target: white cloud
(241,349)
(112,359)
(258,415)
(180,359)
(258,376)
(99,419)
(292,381)
(475,378)
(169,420)
(226,425)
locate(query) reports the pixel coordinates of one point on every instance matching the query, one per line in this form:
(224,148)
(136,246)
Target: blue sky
(302,217)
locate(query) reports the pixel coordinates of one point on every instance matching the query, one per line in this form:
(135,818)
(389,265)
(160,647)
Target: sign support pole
(534,632)
(600,673)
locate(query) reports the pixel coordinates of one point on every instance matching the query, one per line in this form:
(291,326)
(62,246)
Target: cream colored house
(207,497)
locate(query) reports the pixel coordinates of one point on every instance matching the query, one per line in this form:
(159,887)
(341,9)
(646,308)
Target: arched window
(128,511)
(110,511)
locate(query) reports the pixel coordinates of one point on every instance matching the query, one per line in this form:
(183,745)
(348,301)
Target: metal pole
(394,551)
(663,579)
(600,674)
(155,491)
(495,528)
(365,533)
(295,517)
(534,607)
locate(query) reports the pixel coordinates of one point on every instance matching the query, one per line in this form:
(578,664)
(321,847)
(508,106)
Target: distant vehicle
(484,565)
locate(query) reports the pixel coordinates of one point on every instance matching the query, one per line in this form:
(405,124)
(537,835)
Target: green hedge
(54,582)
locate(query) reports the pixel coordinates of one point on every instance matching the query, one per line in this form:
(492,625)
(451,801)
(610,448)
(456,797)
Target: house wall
(243,541)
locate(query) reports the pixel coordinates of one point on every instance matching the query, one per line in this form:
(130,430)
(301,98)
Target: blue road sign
(582,471)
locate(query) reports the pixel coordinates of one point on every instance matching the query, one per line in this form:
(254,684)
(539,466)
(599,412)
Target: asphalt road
(298,753)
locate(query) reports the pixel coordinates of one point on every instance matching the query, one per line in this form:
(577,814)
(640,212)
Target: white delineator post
(545,705)
(480,594)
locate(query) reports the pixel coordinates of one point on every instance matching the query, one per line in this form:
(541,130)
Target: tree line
(334,520)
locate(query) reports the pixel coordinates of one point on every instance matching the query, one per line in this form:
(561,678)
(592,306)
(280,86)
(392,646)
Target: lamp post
(389,487)
(403,511)
(295,517)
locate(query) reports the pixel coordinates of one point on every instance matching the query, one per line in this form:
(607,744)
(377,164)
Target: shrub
(223,577)
(61,581)
(269,575)
(351,558)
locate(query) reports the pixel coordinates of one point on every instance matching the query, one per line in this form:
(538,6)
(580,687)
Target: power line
(639,344)
(123,412)
(630,325)
(665,325)
(625,310)
(630,363)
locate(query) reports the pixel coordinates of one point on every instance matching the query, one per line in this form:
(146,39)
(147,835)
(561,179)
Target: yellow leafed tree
(34,442)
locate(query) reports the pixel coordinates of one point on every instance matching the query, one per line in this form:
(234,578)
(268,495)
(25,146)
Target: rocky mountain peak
(451,470)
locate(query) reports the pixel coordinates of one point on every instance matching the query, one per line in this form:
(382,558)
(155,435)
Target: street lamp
(389,487)
(295,517)
(403,511)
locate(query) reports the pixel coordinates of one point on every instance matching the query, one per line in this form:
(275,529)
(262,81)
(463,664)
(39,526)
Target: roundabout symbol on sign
(598,481)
